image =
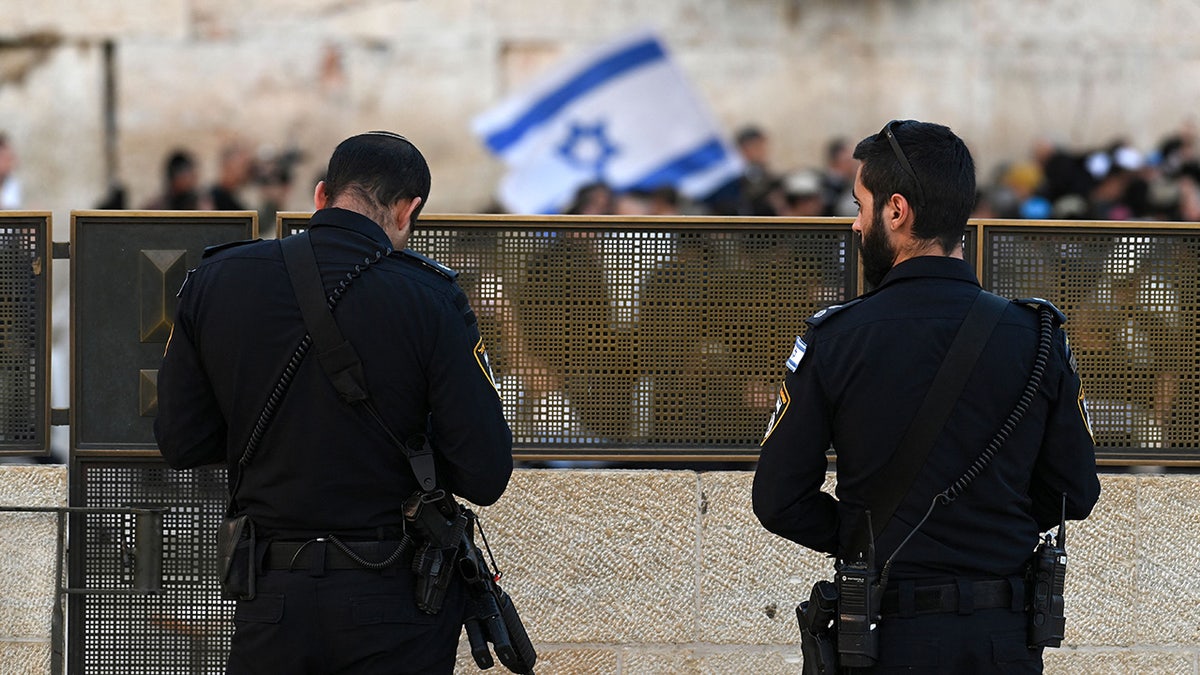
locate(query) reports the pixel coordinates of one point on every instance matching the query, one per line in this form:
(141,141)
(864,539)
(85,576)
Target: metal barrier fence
(612,338)
(24,334)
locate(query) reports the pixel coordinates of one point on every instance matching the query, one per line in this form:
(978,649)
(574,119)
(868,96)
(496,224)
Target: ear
(898,212)
(320,199)
(403,212)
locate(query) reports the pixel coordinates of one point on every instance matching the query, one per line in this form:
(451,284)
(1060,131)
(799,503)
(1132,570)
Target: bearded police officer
(325,484)
(954,601)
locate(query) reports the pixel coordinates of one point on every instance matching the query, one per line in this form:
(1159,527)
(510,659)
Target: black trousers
(986,641)
(345,621)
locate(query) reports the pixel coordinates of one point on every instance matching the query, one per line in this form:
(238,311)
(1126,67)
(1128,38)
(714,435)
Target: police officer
(324,469)
(953,603)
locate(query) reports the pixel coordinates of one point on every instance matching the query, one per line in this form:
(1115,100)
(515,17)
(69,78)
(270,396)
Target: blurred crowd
(1116,181)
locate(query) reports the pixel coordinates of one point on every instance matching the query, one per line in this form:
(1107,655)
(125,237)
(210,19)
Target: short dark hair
(943,192)
(835,148)
(749,133)
(379,168)
(178,162)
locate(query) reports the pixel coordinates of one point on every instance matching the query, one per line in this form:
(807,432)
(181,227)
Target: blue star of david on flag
(588,147)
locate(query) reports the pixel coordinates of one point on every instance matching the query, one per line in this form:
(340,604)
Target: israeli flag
(624,115)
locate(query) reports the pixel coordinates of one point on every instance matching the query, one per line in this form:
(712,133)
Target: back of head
(376,170)
(179,161)
(941,189)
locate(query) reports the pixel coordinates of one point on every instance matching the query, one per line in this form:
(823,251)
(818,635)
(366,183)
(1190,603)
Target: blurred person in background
(755,192)
(236,170)
(837,179)
(802,194)
(10,187)
(181,185)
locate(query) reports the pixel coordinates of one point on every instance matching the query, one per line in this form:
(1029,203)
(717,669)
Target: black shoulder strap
(893,482)
(338,358)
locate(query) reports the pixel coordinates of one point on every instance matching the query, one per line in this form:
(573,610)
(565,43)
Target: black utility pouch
(236,558)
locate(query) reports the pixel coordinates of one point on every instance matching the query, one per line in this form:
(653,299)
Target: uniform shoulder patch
(1036,303)
(429,263)
(798,352)
(213,250)
(823,315)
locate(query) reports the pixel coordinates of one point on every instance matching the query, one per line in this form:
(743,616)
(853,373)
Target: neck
(917,248)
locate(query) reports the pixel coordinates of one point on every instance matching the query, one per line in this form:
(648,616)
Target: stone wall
(310,72)
(632,572)
(27,566)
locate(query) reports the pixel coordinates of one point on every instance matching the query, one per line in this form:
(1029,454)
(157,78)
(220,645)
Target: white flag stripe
(564,83)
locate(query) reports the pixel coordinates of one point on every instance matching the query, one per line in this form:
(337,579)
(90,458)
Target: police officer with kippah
(955,599)
(325,485)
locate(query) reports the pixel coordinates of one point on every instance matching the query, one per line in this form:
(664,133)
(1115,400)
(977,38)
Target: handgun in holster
(438,522)
(491,616)
(817,617)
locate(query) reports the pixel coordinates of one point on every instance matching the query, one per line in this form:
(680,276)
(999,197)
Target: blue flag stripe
(596,75)
(672,172)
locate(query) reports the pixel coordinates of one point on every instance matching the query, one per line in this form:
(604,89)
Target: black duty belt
(323,554)
(962,597)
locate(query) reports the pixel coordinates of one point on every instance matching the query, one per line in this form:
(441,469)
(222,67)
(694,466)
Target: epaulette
(1039,302)
(213,250)
(430,263)
(824,314)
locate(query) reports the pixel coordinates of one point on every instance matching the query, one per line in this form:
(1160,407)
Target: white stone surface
(622,572)
(27,564)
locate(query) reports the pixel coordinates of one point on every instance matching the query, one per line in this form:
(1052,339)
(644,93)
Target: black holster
(438,522)
(818,637)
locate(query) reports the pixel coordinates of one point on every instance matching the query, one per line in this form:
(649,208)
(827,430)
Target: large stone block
(51,110)
(750,580)
(552,661)
(1167,607)
(1087,27)
(27,574)
(310,94)
(1113,662)
(599,556)
(25,658)
(1102,588)
(27,553)
(90,19)
(705,660)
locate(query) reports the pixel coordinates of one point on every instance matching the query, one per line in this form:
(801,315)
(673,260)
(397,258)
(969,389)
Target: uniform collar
(931,266)
(350,220)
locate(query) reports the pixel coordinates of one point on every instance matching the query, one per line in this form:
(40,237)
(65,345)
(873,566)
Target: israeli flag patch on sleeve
(793,361)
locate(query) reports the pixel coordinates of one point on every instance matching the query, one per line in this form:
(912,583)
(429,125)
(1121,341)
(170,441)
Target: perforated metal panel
(186,628)
(1129,290)
(24,333)
(660,338)
(1130,294)
(126,268)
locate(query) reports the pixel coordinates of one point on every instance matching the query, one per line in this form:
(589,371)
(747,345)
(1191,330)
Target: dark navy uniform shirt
(324,466)
(855,382)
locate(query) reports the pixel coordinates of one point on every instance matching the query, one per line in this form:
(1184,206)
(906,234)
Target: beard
(876,252)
